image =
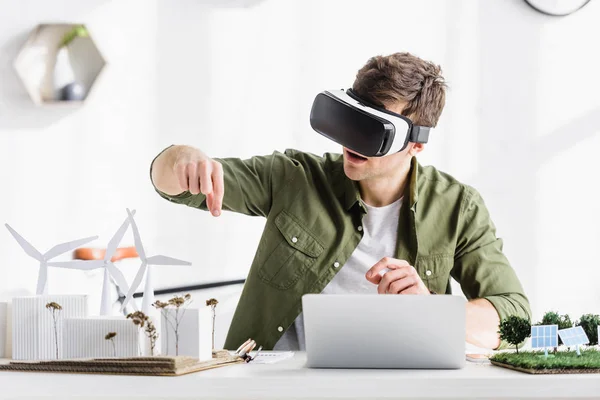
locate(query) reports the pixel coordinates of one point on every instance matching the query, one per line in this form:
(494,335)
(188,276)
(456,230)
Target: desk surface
(289,379)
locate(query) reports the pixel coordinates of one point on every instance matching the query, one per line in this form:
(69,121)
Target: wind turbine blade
(85,265)
(134,285)
(136,236)
(164,260)
(116,239)
(42,282)
(118,277)
(25,245)
(68,246)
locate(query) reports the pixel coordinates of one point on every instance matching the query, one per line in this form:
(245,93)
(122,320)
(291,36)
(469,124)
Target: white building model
(100,337)
(37,328)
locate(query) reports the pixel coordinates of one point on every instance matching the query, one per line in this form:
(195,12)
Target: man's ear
(415,148)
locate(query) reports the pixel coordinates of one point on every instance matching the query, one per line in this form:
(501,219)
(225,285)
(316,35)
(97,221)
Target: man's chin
(352,172)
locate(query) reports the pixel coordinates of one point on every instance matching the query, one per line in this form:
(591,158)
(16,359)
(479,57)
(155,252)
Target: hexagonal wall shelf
(59,64)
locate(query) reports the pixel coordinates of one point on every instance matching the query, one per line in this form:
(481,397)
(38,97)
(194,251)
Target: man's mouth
(355,158)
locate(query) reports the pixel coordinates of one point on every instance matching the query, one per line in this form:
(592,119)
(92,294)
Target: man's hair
(404,77)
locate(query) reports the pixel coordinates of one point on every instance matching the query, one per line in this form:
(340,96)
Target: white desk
(289,380)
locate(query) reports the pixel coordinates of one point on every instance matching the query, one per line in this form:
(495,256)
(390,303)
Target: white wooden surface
(290,380)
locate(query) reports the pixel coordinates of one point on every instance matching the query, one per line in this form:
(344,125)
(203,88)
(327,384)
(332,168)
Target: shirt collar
(347,190)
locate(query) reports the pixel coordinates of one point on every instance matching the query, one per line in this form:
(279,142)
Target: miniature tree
(111,336)
(179,303)
(55,309)
(162,306)
(515,330)
(213,305)
(589,323)
(143,321)
(152,335)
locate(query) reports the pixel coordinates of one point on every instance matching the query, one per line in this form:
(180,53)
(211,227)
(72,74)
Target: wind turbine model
(109,268)
(42,283)
(154,260)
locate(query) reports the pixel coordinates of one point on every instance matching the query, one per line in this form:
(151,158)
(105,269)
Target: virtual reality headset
(362,127)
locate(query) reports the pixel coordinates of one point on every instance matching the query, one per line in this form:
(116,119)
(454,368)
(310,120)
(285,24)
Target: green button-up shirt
(314,213)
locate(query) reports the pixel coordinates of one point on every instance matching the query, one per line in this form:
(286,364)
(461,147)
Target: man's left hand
(401,278)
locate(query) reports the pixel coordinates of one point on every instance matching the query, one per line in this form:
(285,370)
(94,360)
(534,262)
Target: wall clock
(557,8)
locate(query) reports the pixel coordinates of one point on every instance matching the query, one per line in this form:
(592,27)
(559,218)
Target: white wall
(521,123)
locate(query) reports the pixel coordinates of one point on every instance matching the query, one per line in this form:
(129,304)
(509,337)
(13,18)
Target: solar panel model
(544,336)
(574,337)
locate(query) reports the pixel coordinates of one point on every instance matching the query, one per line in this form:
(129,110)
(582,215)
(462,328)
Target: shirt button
(336,264)
(428,272)
(359,228)
(280,329)
(294,239)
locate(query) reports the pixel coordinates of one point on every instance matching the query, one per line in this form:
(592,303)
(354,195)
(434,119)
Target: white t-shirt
(380,232)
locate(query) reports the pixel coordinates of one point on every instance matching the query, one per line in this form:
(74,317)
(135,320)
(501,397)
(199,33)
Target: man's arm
(485,275)
(185,175)
(482,324)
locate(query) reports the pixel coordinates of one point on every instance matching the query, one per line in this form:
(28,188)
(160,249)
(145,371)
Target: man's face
(358,167)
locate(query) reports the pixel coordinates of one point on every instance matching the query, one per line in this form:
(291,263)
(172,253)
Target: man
(334,223)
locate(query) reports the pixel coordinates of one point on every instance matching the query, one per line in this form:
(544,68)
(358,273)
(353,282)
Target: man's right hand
(182,168)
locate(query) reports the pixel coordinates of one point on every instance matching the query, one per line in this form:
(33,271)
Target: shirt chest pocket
(294,250)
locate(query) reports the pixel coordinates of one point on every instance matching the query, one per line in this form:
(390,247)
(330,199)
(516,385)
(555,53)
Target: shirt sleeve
(481,267)
(250,184)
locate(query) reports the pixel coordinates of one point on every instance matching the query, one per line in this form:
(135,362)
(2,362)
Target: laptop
(384,331)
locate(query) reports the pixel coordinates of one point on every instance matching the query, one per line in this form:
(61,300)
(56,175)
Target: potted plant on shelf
(66,86)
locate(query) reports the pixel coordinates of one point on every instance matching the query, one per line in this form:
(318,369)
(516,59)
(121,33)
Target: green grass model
(567,361)
(515,331)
